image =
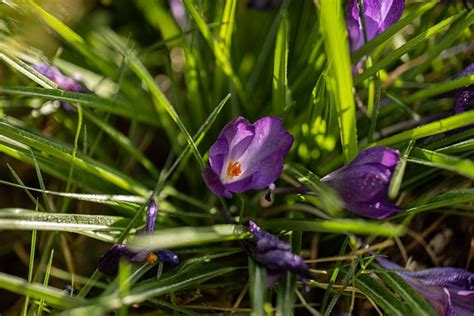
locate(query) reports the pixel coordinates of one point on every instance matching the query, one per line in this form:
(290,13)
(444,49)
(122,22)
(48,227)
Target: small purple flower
(363,183)
(379,15)
(64,82)
(247,156)
(275,255)
(449,290)
(109,262)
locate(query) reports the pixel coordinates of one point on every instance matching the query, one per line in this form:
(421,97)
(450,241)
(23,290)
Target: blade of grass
(46,280)
(334,34)
(399,172)
(430,158)
(433,128)
(281,96)
(258,288)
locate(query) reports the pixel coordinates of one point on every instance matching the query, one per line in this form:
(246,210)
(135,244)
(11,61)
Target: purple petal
(360,183)
(378,210)
(385,156)
(469,70)
(168,257)
(109,262)
(179,13)
(214,183)
(263,4)
(378,15)
(139,256)
(151,213)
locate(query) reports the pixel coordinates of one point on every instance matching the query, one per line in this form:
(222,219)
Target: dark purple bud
(449,290)
(274,254)
(378,14)
(151,213)
(168,257)
(464,97)
(109,262)
(64,82)
(263,4)
(363,183)
(247,156)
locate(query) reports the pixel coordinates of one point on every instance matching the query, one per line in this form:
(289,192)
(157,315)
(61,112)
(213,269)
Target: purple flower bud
(151,213)
(378,14)
(247,156)
(168,257)
(449,290)
(275,255)
(108,263)
(363,183)
(64,82)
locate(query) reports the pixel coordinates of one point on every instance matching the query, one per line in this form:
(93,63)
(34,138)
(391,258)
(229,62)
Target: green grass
(74,182)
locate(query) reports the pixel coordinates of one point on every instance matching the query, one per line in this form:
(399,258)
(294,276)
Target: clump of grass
(77,180)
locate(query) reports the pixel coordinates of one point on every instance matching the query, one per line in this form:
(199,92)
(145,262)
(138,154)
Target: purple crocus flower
(247,156)
(379,15)
(275,255)
(109,262)
(449,290)
(179,13)
(363,183)
(64,82)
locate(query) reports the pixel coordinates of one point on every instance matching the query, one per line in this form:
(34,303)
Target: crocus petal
(247,156)
(379,210)
(151,214)
(214,183)
(361,183)
(378,15)
(109,262)
(168,257)
(385,156)
(274,254)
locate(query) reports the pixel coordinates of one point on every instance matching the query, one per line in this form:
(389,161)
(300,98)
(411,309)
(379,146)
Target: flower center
(151,258)
(233,169)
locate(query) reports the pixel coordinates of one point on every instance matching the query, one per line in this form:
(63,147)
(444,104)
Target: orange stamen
(233,170)
(151,258)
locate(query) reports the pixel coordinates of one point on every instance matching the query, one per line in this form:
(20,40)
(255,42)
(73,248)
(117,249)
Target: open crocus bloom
(379,15)
(449,290)
(363,183)
(275,255)
(247,156)
(109,262)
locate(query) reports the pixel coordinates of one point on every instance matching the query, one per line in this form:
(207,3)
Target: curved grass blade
(397,176)
(281,97)
(441,200)
(433,128)
(336,44)
(430,158)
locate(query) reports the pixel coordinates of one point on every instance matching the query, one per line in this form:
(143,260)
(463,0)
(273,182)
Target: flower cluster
(449,290)
(378,16)
(109,262)
(363,184)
